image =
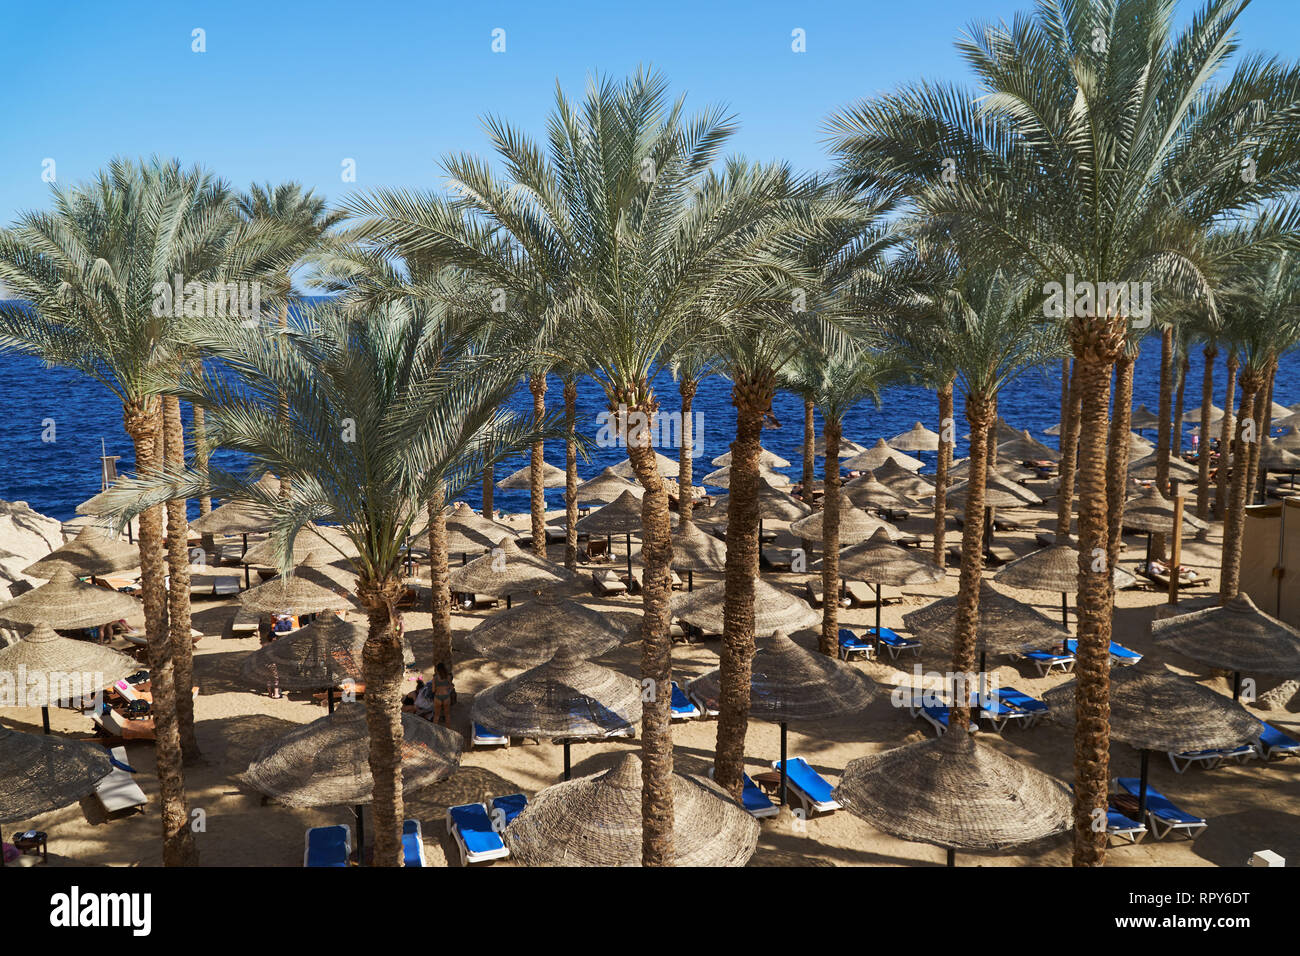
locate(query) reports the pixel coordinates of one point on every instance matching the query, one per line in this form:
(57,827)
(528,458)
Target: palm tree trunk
(831,539)
(946,429)
(178,595)
(1166,403)
(1235,517)
(439,585)
(1069,458)
(286,485)
(571,474)
(537,385)
(656,642)
(1226,427)
(488,488)
(1117,462)
(142,421)
(1176,441)
(381,669)
(752,396)
(201,455)
(1097,344)
(1203,441)
(809,443)
(685,462)
(1263,406)
(981,416)
(992,438)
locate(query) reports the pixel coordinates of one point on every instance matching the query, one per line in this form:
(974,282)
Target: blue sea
(57,420)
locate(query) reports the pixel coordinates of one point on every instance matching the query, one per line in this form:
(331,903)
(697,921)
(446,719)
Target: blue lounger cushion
(851,641)
(808,780)
(681,704)
(1018,698)
(1116,821)
(327,846)
(1273,741)
(1157,803)
(412,845)
(510,805)
(755,800)
(1117,651)
(475,829)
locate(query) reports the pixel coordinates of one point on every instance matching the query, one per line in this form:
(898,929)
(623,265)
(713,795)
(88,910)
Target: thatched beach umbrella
(326,763)
(1004,431)
(468,532)
(1152,708)
(606,487)
(62,665)
(774,609)
(1289,440)
(1003,626)
(878,454)
(766,459)
(668,468)
(307,589)
(693,550)
(880,562)
(897,478)
(1274,457)
(67,604)
(722,478)
(789,682)
(1055,568)
(1009,472)
(856,526)
(1138,447)
(1216,414)
(848,449)
(999,492)
(596,821)
(956,793)
(1290,421)
(620,516)
(866,491)
(564,698)
(1236,636)
(92,553)
(507,570)
(552,477)
(39,773)
(1143,418)
(916,438)
(533,633)
(1179,470)
(327,543)
(1025,447)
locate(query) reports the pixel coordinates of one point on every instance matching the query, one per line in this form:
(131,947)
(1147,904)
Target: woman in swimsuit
(442,691)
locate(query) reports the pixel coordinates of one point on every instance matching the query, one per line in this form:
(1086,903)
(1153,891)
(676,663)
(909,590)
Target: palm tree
(690,367)
(1101,145)
(90,271)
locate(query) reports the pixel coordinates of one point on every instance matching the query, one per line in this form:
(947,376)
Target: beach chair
(607,584)
(1033,708)
(1119,654)
(709,708)
(1164,816)
(1209,759)
(506,808)
(937,717)
(777,559)
(1123,828)
(412,844)
(1047,661)
(757,804)
(861,594)
(328,846)
(245,623)
(895,644)
(119,791)
(472,829)
(1274,745)
(808,786)
(481,736)
(996,710)
(851,644)
(682,706)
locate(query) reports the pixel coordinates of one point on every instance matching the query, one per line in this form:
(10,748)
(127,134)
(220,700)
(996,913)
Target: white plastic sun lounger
(119,791)
(475,836)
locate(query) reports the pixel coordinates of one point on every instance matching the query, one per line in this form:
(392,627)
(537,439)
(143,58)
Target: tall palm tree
(1102,143)
(690,367)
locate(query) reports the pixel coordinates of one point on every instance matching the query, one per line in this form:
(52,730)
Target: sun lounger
(1274,745)
(1119,654)
(682,707)
(860,593)
(709,708)
(481,736)
(1034,709)
(851,644)
(894,643)
(412,844)
(996,710)
(1118,825)
(757,804)
(478,840)
(776,559)
(1163,815)
(1209,759)
(506,808)
(245,623)
(808,786)
(1187,578)
(119,791)
(607,584)
(937,717)
(1047,661)
(328,846)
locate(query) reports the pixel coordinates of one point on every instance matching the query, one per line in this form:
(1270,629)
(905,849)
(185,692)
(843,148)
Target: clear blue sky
(288,90)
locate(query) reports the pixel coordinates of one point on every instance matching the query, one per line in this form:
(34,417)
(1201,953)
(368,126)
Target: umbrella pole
(878,602)
(45,718)
(952,857)
(1065,610)
(245,549)
(629,557)
(248,581)
(1142,796)
(690,581)
(784,768)
(361,835)
(1236,688)
(568,765)
(507,602)
(329,699)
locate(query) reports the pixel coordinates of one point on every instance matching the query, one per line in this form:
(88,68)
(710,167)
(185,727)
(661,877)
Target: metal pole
(329,699)
(690,580)
(1065,610)
(1142,796)
(784,768)
(361,835)
(1236,687)
(1176,549)
(629,558)
(45,718)
(568,766)
(878,602)
(952,857)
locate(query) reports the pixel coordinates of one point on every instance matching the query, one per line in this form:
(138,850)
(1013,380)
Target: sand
(1250,807)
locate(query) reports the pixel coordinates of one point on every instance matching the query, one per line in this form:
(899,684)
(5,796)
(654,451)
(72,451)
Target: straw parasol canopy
(1152,512)
(505,570)
(468,532)
(552,477)
(41,651)
(1273,457)
(773,505)
(1277,411)
(533,633)
(1053,430)
(774,609)
(1289,440)
(1237,636)
(307,589)
(238,517)
(1138,447)
(1012,473)
(1289,421)
(90,553)
(878,454)
(881,562)
(867,491)
(904,482)
(1004,625)
(1055,568)
(67,603)
(325,653)
(722,477)
(848,449)
(1025,447)
(607,487)
(326,543)
(620,516)
(999,492)
(1003,432)
(693,550)
(1178,469)
(1152,708)
(954,792)
(39,773)
(916,438)
(596,821)
(1194,414)
(327,762)
(1143,417)
(766,459)
(856,526)
(564,697)
(668,468)
(790,683)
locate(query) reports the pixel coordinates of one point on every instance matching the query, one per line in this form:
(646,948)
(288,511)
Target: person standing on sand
(443,689)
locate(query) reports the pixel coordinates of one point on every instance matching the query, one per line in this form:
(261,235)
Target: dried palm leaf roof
(848,449)
(1152,708)
(774,610)
(1010,472)
(607,487)
(766,459)
(90,553)
(552,477)
(916,438)
(667,468)
(1054,568)
(325,653)
(534,632)
(1004,625)
(468,532)
(899,479)
(1151,511)
(565,696)
(1004,431)
(867,491)
(308,589)
(999,492)
(1025,447)
(327,762)
(789,683)
(1237,636)
(238,517)
(1289,439)
(878,454)
(40,773)
(596,821)
(325,542)
(879,561)
(954,792)
(722,477)
(1274,457)
(1143,417)
(67,603)
(507,569)
(856,526)
(620,516)
(1178,469)
(1216,414)
(694,550)
(41,651)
